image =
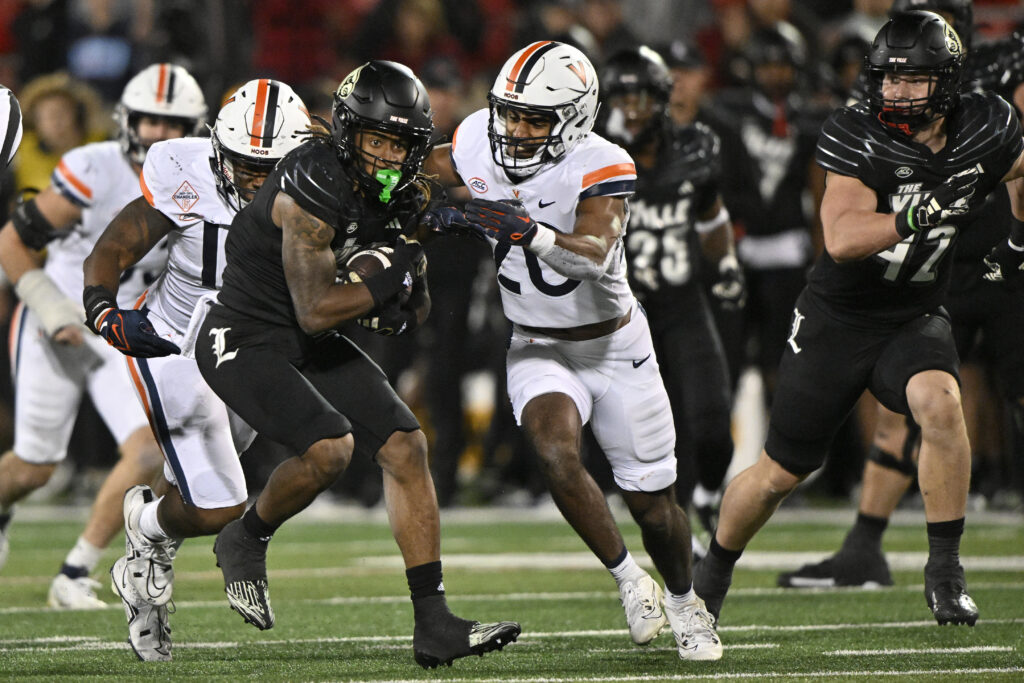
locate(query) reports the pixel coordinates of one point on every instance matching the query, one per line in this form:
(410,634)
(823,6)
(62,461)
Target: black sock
(866,533)
(425,580)
(944,543)
(5,519)
(728,557)
(256,527)
(73,572)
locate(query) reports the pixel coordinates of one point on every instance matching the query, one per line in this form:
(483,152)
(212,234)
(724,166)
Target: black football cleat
(437,646)
(243,561)
(865,570)
(945,590)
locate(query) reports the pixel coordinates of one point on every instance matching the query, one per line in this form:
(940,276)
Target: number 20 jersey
(911,277)
(531,292)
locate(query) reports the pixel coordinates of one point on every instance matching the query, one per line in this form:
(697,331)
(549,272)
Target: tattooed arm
(129,237)
(309,268)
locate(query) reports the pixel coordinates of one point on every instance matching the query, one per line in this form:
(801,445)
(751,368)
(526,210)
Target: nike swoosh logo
(542,204)
(638,363)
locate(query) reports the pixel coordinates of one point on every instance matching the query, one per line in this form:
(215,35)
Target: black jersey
(312,175)
(662,247)
(767,150)
(911,277)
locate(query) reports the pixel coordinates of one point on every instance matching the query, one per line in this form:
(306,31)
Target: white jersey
(532,293)
(177,180)
(100,180)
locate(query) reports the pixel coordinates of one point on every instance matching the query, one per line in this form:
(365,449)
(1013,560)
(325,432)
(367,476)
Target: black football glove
(1004,263)
(408,264)
(392,321)
(948,199)
(446,220)
(505,220)
(731,288)
(127,330)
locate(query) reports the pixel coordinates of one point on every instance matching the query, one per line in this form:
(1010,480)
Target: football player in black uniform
(677,220)
(768,131)
(974,307)
(906,170)
(271,352)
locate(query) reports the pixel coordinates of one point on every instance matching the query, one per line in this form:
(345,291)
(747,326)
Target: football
(369,262)
(366,263)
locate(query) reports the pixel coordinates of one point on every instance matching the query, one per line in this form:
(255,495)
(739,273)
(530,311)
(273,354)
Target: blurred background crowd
(68,60)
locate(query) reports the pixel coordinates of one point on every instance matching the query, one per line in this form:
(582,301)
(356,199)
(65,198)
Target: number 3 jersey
(532,293)
(177,180)
(911,277)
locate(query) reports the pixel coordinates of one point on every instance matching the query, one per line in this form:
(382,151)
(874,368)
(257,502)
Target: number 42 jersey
(532,293)
(911,277)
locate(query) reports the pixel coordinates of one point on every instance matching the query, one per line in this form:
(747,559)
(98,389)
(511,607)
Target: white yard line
(918,651)
(512,597)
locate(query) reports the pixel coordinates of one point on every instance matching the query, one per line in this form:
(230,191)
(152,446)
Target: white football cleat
(642,600)
(149,630)
(149,563)
(68,593)
(694,628)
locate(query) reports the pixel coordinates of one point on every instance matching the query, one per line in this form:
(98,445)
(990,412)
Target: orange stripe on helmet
(514,76)
(607,172)
(261,104)
(146,192)
(161,84)
(73,180)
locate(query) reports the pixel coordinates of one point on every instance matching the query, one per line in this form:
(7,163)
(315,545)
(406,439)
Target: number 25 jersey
(532,293)
(911,277)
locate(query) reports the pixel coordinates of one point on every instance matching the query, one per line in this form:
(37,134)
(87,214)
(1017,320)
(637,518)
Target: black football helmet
(962,12)
(642,72)
(780,43)
(915,43)
(387,97)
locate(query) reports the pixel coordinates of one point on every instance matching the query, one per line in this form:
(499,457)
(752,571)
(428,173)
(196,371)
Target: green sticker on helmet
(388,177)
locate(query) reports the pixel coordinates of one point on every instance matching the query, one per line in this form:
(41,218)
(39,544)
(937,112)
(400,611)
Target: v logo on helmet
(580,71)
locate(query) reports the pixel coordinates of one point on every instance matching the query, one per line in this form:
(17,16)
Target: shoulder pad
(844,146)
(985,126)
(313,176)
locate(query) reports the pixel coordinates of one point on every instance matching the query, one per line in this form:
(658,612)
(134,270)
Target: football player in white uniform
(550,196)
(191,190)
(54,360)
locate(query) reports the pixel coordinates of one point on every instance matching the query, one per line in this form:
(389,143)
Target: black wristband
(97,299)
(387,283)
(904,228)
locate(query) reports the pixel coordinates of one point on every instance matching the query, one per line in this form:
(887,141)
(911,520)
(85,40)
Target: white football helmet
(545,78)
(260,123)
(10,121)
(163,90)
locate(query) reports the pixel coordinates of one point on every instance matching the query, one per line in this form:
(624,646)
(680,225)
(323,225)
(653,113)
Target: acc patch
(478,185)
(349,84)
(904,172)
(185,197)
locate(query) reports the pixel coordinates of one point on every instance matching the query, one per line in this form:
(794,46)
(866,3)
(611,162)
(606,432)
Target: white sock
(676,602)
(627,570)
(84,554)
(149,525)
(704,498)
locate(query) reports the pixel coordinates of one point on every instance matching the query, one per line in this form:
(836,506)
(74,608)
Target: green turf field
(343,611)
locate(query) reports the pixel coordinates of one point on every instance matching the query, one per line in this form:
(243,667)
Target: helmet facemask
(376,175)
(548,80)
